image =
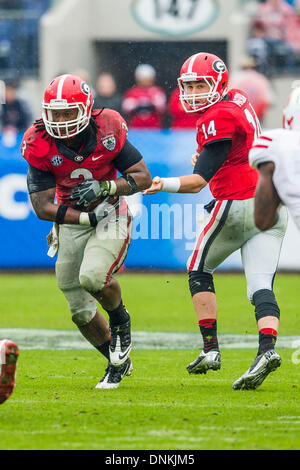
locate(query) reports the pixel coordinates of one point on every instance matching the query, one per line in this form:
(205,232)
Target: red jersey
(144,107)
(232,118)
(95,160)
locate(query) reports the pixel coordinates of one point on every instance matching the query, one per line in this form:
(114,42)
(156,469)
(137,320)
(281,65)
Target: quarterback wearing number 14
(226,128)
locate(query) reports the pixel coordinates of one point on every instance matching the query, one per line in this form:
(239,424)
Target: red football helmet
(67,92)
(213,71)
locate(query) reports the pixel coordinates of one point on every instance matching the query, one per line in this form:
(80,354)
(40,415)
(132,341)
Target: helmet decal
(85,88)
(219,66)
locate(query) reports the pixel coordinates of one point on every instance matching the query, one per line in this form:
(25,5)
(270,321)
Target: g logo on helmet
(219,66)
(85,88)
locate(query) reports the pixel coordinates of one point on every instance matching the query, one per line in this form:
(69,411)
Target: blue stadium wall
(157,239)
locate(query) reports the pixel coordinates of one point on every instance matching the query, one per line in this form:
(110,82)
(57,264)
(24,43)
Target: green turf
(55,405)
(157,302)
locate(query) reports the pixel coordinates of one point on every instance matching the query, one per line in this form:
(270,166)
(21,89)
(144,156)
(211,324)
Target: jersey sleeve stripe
(260,146)
(266,138)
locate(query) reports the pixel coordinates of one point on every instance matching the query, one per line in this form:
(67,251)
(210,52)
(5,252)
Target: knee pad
(265,304)
(81,304)
(92,281)
(200,282)
(83,317)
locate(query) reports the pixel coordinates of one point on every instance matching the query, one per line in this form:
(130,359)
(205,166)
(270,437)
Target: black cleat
(204,362)
(120,344)
(114,375)
(258,371)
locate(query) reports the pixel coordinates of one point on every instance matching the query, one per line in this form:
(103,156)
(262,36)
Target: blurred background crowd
(272,49)
(130,52)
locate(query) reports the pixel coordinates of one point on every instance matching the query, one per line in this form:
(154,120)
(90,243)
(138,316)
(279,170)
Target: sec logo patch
(56,160)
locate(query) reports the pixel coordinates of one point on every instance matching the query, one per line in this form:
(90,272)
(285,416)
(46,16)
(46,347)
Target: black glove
(90,191)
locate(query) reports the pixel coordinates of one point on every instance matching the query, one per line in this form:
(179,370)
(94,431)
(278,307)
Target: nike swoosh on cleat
(121,356)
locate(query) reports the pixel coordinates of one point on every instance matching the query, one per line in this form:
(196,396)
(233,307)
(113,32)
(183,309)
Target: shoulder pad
(276,133)
(110,123)
(33,146)
(237,97)
(222,110)
(264,148)
(271,138)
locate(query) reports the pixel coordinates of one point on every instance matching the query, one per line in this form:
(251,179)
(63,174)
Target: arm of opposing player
(262,156)
(266,198)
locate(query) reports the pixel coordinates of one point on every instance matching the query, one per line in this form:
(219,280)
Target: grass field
(55,404)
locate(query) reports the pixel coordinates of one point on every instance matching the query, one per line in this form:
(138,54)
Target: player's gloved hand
(90,191)
(194,158)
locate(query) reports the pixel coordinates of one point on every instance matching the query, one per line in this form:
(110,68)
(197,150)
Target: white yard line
(143,340)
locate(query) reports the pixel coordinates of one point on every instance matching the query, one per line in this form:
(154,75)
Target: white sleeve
(263,150)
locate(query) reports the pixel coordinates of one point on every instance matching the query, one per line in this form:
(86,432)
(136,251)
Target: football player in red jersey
(145,103)
(74,153)
(226,128)
(8,360)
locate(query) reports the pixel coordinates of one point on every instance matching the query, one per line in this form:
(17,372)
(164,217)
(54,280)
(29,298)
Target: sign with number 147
(175,17)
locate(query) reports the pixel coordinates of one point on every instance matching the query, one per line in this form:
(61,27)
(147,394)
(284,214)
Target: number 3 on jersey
(211,130)
(87,174)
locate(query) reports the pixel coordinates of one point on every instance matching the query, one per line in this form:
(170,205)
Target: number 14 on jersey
(211,129)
